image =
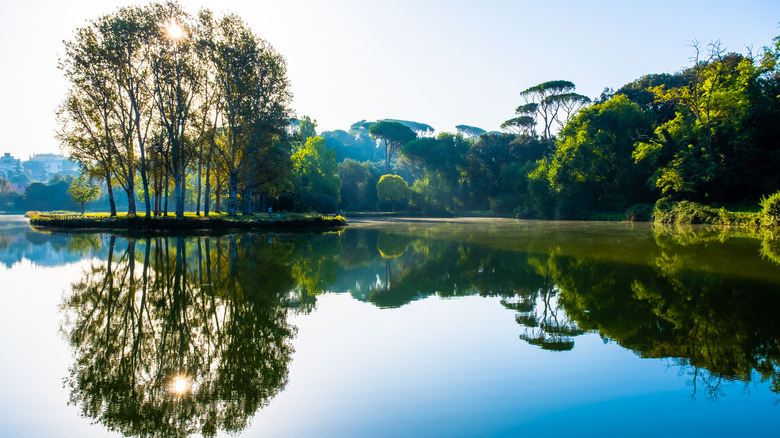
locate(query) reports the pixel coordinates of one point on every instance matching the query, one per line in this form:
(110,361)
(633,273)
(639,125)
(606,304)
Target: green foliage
(542,202)
(520,125)
(469,131)
(592,168)
(83,191)
(690,213)
(421,129)
(484,174)
(44,197)
(358,185)
(770,247)
(315,175)
(551,102)
(710,150)
(307,128)
(358,147)
(433,196)
(394,134)
(770,213)
(146,86)
(392,188)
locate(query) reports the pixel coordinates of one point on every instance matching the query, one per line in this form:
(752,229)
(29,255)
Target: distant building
(9,165)
(54,163)
(19,187)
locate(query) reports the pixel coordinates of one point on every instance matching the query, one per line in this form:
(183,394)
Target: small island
(188,223)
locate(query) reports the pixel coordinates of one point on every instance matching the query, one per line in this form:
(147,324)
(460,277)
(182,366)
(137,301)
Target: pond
(391,328)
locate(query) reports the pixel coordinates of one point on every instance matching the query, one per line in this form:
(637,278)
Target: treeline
(163,102)
(706,134)
(52,195)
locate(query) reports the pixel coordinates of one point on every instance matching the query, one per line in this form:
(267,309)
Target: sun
(174,30)
(180,385)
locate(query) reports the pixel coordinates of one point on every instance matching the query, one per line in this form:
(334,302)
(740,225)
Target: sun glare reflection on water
(180,385)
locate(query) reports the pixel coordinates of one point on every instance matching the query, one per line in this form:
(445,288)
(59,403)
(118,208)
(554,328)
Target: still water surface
(387,329)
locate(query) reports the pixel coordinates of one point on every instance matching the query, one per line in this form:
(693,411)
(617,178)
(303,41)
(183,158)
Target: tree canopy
(394,135)
(152,86)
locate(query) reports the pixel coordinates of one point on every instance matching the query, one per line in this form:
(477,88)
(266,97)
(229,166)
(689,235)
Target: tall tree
(87,122)
(255,100)
(177,77)
(126,37)
(470,131)
(552,102)
(394,134)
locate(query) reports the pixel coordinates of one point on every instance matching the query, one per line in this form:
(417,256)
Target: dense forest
(198,108)
(707,134)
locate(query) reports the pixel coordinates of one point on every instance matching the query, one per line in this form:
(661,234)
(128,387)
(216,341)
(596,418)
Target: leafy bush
(683,212)
(691,213)
(770,215)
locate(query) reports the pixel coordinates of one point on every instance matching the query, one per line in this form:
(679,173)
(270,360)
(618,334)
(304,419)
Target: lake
(413,328)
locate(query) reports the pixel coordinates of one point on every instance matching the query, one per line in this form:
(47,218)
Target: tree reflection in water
(681,305)
(176,336)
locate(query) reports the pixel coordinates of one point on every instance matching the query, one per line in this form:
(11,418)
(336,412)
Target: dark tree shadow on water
(174,337)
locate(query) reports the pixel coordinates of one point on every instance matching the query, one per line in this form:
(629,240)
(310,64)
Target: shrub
(691,213)
(683,213)
(770,214)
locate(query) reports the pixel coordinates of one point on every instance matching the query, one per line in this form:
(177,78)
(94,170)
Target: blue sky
(438,62)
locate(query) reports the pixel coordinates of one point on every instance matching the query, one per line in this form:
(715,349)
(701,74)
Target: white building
(9,165)
(53,163)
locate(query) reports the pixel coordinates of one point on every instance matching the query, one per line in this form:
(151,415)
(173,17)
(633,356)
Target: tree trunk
(232,191)
(217,194)
(130,196)
(387,158)
(165,207)
(207,195)
(200,168)
(178,183)
(182,194)
(248,193)
(110,190)
(144,178)
(157,193)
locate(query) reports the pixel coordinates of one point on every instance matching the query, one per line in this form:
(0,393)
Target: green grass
(190,221)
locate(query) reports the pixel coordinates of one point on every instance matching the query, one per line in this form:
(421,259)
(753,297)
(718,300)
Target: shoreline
(186,224)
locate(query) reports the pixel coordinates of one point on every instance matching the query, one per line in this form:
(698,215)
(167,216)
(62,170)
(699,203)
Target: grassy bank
(190,222)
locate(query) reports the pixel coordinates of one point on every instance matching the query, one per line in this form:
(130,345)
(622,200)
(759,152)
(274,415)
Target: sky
(443,63)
